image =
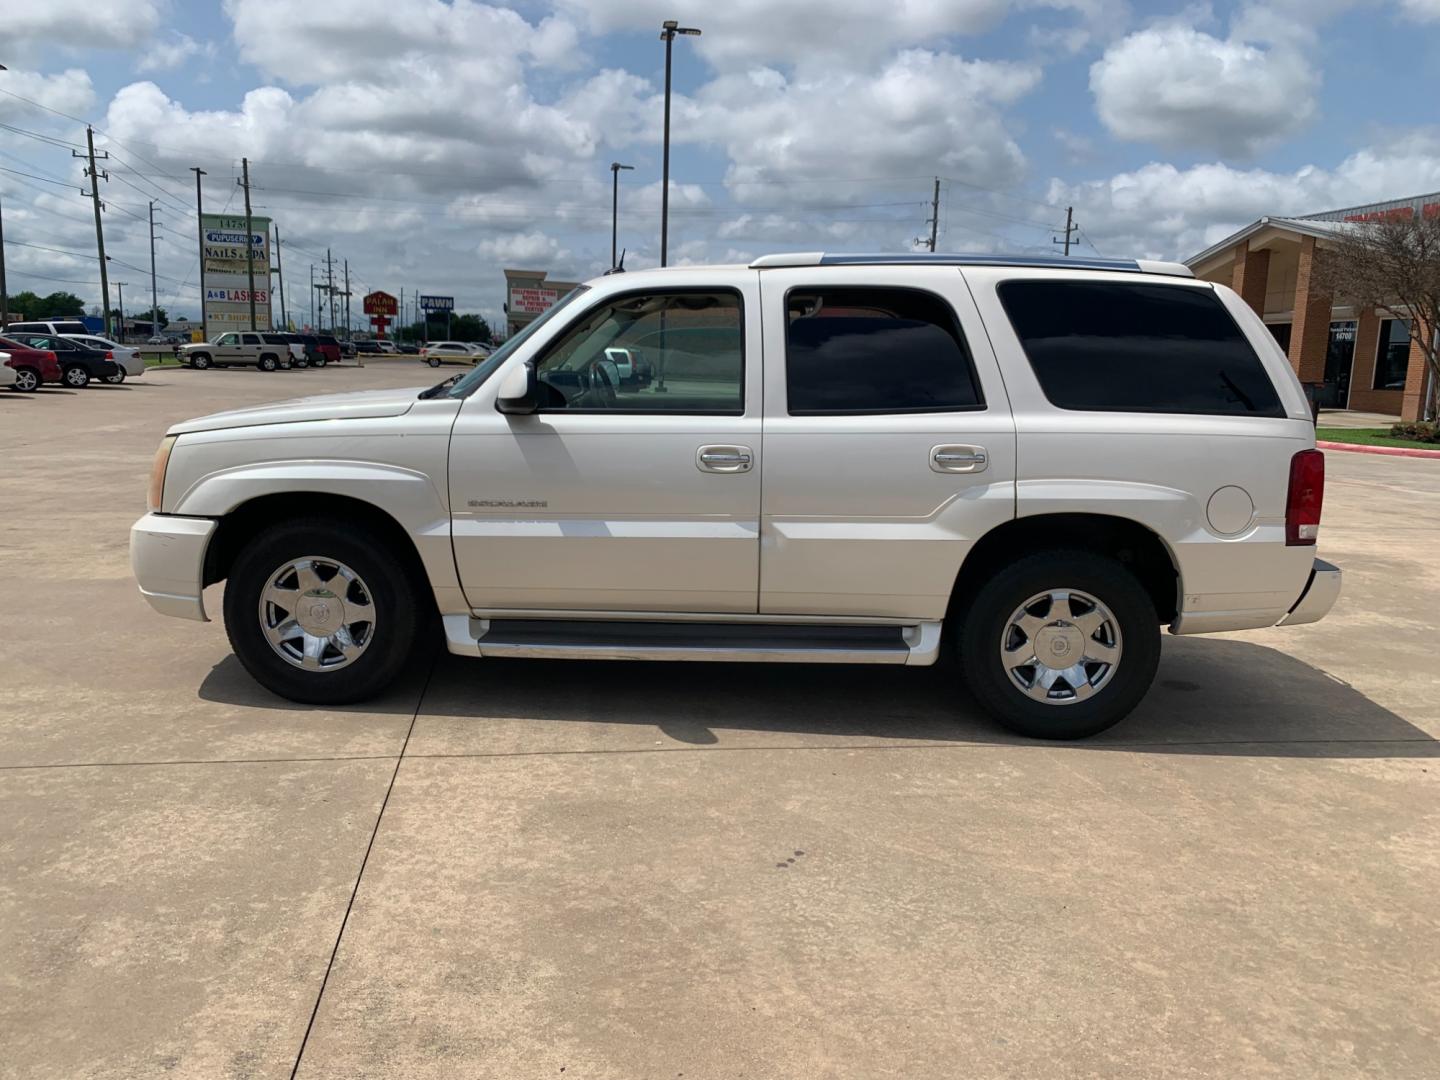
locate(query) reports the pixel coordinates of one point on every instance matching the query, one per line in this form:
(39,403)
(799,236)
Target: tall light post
(615,168)
(669,28)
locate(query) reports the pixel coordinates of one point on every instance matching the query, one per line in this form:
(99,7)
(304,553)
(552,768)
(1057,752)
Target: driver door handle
(963,459)
(724,459)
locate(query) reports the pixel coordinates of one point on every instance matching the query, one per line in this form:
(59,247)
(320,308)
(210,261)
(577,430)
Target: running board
(758,642)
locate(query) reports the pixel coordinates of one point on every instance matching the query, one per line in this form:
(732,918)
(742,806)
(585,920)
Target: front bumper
(167,554)
(1319,596)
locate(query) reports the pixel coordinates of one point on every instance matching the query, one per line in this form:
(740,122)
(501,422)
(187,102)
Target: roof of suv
(928,258)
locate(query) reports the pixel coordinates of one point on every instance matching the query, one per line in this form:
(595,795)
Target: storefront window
(1281,333)
(1394,356)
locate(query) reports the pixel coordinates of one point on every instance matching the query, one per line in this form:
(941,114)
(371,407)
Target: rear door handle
(724,459)
(959,459)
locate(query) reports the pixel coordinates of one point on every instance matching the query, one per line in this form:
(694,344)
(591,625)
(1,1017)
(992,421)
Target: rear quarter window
(1142,347)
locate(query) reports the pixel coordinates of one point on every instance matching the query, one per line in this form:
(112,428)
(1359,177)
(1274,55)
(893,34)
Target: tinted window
(1393,359)
(872,350)
(249,339)
(71,328)
(1137,348)
(275,339)
(685,354)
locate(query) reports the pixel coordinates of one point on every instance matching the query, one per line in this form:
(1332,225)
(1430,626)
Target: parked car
(129,359)
(48,326)
(365,346)
(436,353)
(409,350)
(631,368)
(79,365)
(247,348)
(33,367)
(1033,464)
(329,348)
(8,378)
(347,348)
(385,345)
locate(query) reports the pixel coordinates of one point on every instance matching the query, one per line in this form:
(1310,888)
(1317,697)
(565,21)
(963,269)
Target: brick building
(1353,359)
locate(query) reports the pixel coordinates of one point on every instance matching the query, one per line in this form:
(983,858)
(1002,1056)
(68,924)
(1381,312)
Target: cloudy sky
(432,143)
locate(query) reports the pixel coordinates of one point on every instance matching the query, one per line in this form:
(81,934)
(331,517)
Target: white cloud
(172,50)
(532,249)
(1160,211)
(1183,88)
(68,91)
(114,24)
(1421,10)
(739,33)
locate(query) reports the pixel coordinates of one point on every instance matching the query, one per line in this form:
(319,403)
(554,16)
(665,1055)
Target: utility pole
(4,296)
(249,247)
(347,298)
(313,324)
(200,233)
(935,214)
(120,312)
(1070,229)
(154,293)
(330,286)
(280,274)
(94,193)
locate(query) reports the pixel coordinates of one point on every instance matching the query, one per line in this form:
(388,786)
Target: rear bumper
(1319,596)
(167,554)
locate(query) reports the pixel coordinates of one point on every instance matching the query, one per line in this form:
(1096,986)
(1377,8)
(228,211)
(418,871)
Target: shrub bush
(1416,431)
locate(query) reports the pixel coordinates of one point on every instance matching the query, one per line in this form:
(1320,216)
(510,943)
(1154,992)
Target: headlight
(156,494)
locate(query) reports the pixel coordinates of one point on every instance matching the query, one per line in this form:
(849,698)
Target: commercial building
(1348,357)
(529,293)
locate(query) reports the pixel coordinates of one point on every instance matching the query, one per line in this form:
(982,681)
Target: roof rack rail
(926,258)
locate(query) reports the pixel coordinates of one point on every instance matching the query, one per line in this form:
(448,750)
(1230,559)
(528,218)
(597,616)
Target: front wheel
(76,377)
(300,362)
(1060,644)
(433,362)
(200,361)
(322,613)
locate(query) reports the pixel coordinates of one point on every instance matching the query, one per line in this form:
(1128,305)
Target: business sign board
(380,303)
(232,253)
(533,301)
(437,303)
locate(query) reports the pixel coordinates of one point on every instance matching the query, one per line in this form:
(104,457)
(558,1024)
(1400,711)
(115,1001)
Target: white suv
(1032,464)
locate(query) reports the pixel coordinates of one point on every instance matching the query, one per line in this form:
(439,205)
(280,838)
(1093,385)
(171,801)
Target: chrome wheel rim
(77,376)
(25,380)
(1061,646)
(317,614)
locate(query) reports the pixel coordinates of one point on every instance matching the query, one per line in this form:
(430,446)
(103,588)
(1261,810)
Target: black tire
(199,361)
(433,361)
(987,619)
(300,362)
(321,361)
(76,377)
(117,378)
(396,590)
(27,380)
(268,362)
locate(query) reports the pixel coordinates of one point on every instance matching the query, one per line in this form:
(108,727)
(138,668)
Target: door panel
(611,511)
(871,515)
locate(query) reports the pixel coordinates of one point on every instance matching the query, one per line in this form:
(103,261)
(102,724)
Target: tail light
(50,356)
(109,354)
(1303,500)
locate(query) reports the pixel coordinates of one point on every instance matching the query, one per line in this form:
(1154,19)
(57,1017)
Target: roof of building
(1320,229)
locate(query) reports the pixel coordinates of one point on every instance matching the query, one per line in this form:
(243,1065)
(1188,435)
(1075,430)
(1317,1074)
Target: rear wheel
(76,377)
(322,613)
(27,380)
(117,378)
(300,362)
(200,361)
(268,362)
(321,361)
(1061,644)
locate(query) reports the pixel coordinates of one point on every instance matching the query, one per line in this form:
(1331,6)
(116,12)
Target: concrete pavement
(636,870)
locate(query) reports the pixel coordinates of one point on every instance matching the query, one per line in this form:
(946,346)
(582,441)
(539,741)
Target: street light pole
(615,168)
(669,28)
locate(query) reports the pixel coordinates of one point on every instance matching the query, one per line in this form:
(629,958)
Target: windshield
(483,370)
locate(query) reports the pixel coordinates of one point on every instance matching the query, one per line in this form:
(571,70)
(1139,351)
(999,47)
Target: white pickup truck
(1032,464)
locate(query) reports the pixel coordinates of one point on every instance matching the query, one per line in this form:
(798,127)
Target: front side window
(227,339)
(1122,347)
(856,351)
(1393,359)
(672,352)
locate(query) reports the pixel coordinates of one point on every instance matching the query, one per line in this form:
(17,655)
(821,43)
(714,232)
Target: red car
(32,366)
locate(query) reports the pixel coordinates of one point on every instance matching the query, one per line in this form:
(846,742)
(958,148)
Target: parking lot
(520,869)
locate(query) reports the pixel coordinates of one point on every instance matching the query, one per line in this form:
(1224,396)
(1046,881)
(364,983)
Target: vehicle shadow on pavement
(1220,697)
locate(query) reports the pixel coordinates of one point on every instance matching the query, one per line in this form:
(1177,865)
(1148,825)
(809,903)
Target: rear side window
(1118,347)
(852,351)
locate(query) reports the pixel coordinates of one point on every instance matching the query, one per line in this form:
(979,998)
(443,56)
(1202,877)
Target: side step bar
(796,643)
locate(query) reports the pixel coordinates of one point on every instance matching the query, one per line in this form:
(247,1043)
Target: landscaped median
(1374,441)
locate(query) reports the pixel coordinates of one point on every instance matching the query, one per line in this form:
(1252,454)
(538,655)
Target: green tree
(60,303)
(470,328)
(144,316)
(24,303)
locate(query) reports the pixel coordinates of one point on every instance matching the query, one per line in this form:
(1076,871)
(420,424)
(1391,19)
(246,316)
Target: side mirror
(520,391)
